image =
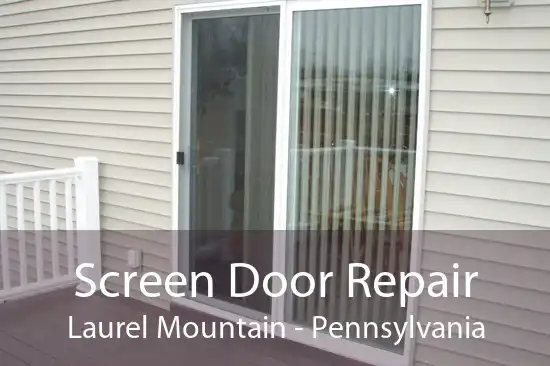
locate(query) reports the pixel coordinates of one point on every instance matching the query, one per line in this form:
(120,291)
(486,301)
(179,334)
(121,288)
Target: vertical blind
(354,114)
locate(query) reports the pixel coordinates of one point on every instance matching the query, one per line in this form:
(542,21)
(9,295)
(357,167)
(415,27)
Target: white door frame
(350,349)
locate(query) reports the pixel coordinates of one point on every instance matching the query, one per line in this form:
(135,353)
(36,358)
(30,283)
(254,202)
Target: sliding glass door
(300,118)
(353,122)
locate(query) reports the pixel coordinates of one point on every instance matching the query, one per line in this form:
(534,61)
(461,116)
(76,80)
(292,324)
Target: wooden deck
(35,331)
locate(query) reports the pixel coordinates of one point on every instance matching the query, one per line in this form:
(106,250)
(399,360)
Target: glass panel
(353,120)
(233,98)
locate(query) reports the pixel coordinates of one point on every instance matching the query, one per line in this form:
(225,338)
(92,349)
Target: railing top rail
(29,177)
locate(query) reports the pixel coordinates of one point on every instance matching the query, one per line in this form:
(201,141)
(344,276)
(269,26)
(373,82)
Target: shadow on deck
(35,331)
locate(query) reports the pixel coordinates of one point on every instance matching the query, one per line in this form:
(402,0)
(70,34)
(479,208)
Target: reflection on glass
(353,118)
(233,148)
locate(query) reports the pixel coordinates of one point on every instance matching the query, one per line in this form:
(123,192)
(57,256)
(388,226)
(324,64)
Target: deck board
(35,331)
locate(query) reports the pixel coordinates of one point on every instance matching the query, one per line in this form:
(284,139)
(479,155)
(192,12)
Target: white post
(87,219)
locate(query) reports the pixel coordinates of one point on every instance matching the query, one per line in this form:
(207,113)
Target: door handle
(180,158)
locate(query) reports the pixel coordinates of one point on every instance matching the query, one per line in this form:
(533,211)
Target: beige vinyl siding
(94,78)
(488,168)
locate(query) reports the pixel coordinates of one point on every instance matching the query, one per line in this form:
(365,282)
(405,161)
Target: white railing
(40,246)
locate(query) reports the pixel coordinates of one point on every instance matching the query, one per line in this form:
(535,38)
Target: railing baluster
(53,228)
(38,231)
(21,235)
(4,239)
(69,224)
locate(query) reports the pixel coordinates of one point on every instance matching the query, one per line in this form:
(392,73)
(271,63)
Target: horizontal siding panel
(488,209)
(21,6)
(491,167)
(137,133)
(163,91)
(490,271)
(157,46)
(130,187)
(89,24)
(486,230)
(101,103)
(468,18)
(120,224)
(490,124)
(488,351)
(106,157)
(486,305)
(14,162)
(486,145)
(491,103)
(491,60)
(495,332)
(147,219)
(144,237)
(85,11)
(491,82)
(496,189)
(153,149)
(161,61)
(122,118)
(437,221)
(162,179)
(492,39)
(7,167)
(137,203)
(457,243)
(88,76)
(145,32)
(136,189)
(437,4)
